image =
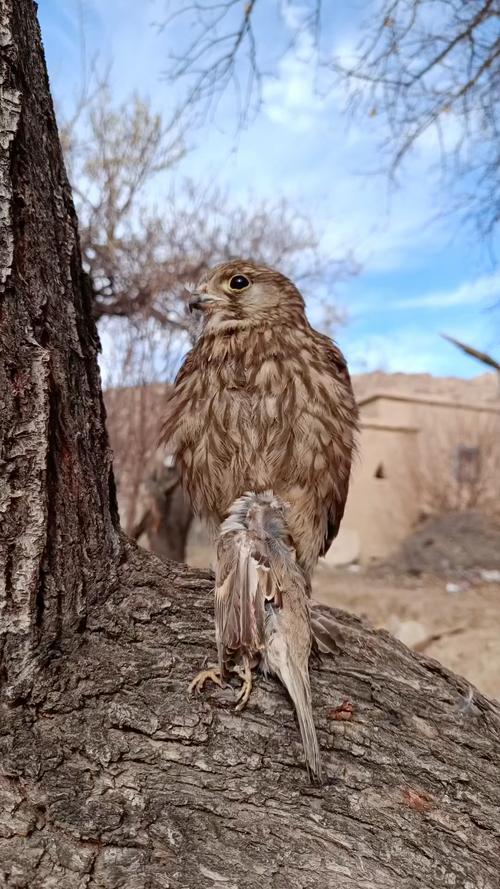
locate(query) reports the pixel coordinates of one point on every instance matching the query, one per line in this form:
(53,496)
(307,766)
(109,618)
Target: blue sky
(420,273)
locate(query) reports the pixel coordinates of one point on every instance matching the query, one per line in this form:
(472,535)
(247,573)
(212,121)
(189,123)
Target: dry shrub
(134,416)
(459,464)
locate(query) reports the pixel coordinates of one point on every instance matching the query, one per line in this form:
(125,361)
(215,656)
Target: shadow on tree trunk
(166,513)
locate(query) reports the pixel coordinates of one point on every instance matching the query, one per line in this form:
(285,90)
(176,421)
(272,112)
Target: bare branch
(474,353)
(421,67)
(140,258)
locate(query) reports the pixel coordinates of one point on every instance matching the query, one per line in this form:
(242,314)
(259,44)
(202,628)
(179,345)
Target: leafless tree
(433,67)
(421,66)
(140,252)
(153,504)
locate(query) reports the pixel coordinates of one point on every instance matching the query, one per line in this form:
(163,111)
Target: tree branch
(118,777)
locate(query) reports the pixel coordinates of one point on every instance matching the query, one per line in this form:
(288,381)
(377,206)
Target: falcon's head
(240,293)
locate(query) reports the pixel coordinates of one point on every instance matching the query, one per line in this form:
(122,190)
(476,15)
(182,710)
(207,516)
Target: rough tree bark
(109,775)
(59,538)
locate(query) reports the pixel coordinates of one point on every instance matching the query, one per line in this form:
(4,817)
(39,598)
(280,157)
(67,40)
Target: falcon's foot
(213,673)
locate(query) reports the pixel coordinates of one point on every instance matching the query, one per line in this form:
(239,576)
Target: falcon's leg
(245,674)
(213,673)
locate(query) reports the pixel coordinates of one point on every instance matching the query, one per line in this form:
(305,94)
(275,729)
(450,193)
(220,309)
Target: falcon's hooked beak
(198,301)
(200,297)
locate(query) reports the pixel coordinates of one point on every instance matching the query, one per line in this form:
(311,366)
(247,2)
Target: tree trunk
(110,776)
(58,538)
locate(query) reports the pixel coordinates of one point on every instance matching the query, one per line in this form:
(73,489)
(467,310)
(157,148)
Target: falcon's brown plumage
(263,402)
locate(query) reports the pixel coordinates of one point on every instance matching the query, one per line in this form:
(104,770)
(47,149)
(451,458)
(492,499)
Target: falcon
(263,402)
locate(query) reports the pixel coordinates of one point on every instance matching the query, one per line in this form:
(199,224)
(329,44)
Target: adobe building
(418,454)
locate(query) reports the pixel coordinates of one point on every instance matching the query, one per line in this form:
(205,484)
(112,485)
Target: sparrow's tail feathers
(296,681)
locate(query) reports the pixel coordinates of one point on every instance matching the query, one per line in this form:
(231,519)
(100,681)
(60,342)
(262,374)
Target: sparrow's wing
(241,588)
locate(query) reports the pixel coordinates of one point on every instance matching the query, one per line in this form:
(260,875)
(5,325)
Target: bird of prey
(262,616)
(263,402)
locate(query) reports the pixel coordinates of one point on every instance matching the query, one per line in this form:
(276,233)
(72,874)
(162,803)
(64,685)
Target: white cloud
(470,293)
(414,348)
(300,147)
(409,350)
(387,230)
(292,99)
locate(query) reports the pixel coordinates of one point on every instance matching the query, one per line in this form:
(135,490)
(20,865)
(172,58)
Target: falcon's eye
(239,282)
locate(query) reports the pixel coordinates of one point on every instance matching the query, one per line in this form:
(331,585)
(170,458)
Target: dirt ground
(460,628)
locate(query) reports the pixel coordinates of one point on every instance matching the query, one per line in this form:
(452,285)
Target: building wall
(380,510)
(407,465)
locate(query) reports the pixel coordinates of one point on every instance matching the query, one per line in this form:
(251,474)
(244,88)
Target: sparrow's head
(264,514)
(240,293)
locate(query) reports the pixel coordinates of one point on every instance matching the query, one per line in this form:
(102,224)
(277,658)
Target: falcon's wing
(345,447)
(241,589)
(335,513)
(181,394)
(326,632)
